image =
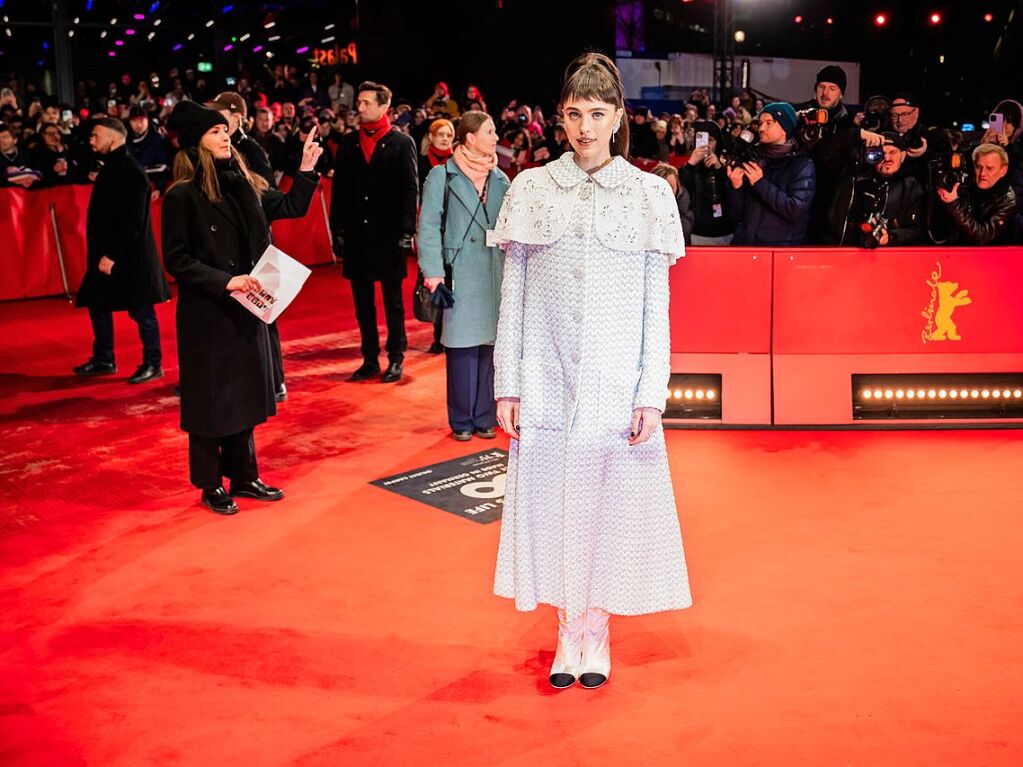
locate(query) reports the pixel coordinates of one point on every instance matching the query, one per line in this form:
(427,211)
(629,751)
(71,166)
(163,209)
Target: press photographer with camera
(703,176)
(1005,128)
(771,191)
(983,210)
(833,139)
(880,205)
(925,147)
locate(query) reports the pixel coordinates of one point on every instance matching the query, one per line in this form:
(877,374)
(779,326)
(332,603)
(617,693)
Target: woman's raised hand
(311,151)
(243,283)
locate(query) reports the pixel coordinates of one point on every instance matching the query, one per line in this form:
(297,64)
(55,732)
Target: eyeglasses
(903,115)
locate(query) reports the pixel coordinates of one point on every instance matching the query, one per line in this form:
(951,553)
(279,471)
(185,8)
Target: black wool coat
(223,350)
(119,226)
(373,205)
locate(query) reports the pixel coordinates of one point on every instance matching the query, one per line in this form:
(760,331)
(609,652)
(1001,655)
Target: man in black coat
(373,217)
(982,211)
(884,208)
(149,148)
(123,269)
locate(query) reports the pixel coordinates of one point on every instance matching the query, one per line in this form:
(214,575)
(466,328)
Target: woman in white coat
(582,363)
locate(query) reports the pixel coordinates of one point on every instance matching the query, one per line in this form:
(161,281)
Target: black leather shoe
(436,348)
(256,489)
(461,436)
(367,370)
(219,502)
(592,680)
(281,394)
(486,433)
(94,368)
(146,373)
(392,374)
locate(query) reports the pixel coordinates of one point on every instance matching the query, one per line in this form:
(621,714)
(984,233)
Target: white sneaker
(568,658)
(596,661)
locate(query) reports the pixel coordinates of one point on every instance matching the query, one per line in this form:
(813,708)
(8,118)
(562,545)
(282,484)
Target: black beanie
(190,121)
(832,73)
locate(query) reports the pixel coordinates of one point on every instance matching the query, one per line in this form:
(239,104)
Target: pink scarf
(475,166)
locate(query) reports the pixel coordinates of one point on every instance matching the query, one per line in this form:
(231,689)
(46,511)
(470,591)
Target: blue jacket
(477,269)
(775,210)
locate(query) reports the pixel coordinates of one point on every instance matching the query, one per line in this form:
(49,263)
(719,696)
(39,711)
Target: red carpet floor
(858,596)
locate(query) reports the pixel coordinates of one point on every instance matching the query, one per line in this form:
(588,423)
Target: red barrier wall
(29,261)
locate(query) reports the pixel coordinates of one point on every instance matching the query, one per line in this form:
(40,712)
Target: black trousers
(210,459)
(364,293)
(276,358)
(471,404)
(103,334)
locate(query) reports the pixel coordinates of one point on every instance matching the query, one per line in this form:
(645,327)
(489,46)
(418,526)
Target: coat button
(584,193)
(473,239)
(213,227)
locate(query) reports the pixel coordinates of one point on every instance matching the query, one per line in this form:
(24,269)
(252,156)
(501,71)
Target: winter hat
(229,101)
(784,114)
(191,121)
(710,128)
(893,138)
(831,74)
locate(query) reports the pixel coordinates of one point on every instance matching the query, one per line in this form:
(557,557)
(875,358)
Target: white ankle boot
(596,662)
(568,659)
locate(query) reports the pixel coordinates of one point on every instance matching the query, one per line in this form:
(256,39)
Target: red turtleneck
(438,156)
(370,134)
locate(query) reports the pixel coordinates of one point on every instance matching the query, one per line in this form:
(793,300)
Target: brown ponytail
(470,122)
(595,76)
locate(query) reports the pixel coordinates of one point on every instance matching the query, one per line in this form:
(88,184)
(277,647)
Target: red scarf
(438,156)
(370,135)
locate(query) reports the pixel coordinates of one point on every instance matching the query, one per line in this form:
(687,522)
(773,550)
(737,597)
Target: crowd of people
(745,172)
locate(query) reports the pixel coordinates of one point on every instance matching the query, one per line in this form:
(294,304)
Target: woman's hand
(431,283)
(699,154)
(243,283)
(311,151)
(645,421)
(736,175)
(508,416)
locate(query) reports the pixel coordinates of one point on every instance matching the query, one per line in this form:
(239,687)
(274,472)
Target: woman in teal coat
(461,201)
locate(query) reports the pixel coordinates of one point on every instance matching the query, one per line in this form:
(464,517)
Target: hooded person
(703,177)
(770,199)
(216,217)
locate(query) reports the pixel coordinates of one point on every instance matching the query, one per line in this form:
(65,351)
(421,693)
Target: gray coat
(477,269)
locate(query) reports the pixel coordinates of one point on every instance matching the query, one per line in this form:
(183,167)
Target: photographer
(770,197)
(924,146)
(881,206)
(832,143)
(983,211)
(703,176)
(1009,137)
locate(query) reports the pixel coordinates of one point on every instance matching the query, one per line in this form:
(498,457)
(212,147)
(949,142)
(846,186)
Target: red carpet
(858,598)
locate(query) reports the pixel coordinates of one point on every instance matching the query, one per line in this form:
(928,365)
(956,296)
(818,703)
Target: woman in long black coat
(215,228)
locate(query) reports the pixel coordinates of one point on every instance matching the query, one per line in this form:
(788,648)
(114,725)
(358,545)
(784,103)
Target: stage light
(113,21)
(269,24)
(888,394)
(1017,393)
(257,49)
(941,59)
(269,54)
(154,6)
(157,22)
(829,21)
(678,394)
(209,23)
(798,19)
(689,393)
(911,394)
(740,36)
(111,54)
(880,20)
(151,35)
(989,17)
(900,394)
(191,37)
(974,394)
(711,394)
(693,396)
(273,39)
(1006,394)
(953,394)
(76,20)
(699,394)
(118,42)
(935,19)
(129,31)
(327,39)
(102,34)
(71,33)
(866,394)
(937,396)
(244,37)
(963,393)
(985,394)
(328,27)
(942,394)
(302,50)
(228,47)
(178,47)
(920,394)
(139,17)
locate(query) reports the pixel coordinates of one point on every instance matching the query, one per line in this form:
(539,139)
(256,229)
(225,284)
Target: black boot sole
(254,497)
(221,512)
(135,381)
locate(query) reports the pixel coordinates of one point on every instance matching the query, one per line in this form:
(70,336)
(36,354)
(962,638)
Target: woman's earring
(614,133)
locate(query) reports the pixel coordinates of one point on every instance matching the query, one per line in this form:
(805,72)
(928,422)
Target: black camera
(913,139)
(743,149)
(871,230)
(875,114)
(871,199)
(872,155)
(811,124)
(951,170)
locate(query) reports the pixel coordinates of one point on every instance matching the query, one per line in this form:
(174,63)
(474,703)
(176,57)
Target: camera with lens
(871,200)
(743,149)
(951,170)
(872,155)
(875,114)
(913,139)
(811,124)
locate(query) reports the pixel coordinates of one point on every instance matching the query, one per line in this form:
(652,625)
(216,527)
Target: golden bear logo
(945,299)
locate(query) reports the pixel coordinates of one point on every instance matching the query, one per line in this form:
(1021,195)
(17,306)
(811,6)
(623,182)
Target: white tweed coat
(582,340)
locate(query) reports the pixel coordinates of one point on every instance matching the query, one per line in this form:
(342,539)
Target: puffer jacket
(776,210)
